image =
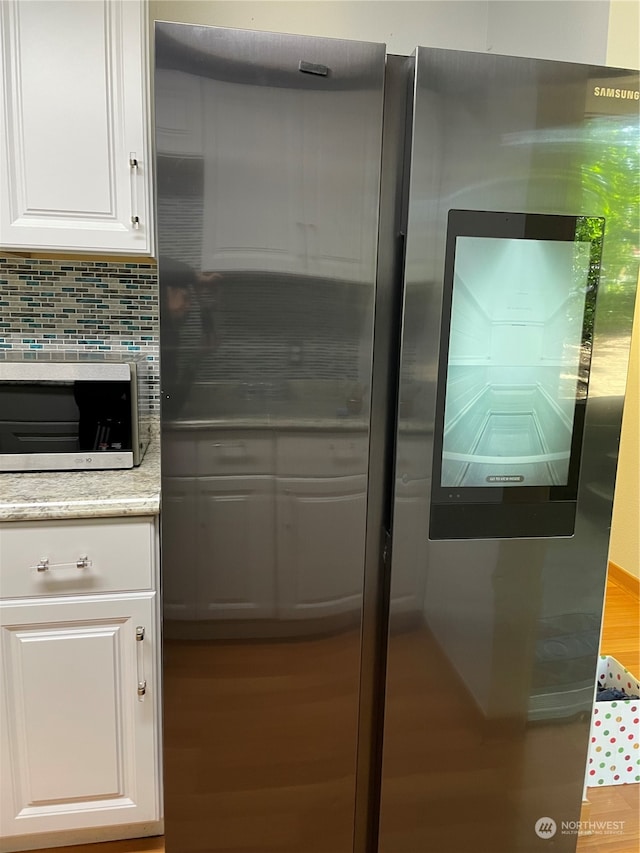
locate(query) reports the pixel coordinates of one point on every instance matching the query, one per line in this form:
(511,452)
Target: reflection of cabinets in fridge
(237,550)
(410,542)
(410,533)
(178,113)
(252,188)
(337,151)
(180,548)
(321,522)
(281,178)
(320,553)
(253,545)
(219,555)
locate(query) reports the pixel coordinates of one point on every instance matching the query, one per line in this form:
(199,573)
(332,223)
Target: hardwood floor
(620,803)
(620,629)
(621,638)
(133,845)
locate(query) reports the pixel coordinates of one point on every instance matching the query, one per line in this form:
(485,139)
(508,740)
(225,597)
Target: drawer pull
(142,683)
(231,450)
(134,166)
(80,563)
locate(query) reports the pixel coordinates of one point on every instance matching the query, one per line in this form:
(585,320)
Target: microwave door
(66,416)
(40,437)
(38,417)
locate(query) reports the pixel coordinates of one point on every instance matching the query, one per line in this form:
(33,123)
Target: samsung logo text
(621,94)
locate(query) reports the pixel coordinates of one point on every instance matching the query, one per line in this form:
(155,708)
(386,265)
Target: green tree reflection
(611,185)
(590,229)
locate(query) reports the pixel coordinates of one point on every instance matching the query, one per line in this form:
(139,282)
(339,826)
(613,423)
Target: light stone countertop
(83,494)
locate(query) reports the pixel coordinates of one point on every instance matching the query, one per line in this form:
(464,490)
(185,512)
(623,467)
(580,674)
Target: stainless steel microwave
(71,415)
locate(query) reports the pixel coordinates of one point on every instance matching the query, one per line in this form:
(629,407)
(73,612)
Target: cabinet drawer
(222,453)
(336,455)
(118,553)
(179,454)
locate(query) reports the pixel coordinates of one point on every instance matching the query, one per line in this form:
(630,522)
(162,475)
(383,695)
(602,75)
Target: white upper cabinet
(74,117)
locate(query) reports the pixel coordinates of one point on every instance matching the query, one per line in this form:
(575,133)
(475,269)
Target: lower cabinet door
(321,534)
(79,746)
(180,548)
(236,544)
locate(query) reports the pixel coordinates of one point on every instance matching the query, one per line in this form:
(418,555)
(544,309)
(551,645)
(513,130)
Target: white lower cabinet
(78,726)
(79,732)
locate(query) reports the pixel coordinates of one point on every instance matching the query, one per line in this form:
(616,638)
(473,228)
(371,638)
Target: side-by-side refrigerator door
(520,279)
(268,164)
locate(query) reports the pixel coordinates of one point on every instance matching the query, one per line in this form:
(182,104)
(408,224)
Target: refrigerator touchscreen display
(519,295)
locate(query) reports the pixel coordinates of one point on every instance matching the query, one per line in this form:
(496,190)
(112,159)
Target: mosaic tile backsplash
(268,328)
(52,306)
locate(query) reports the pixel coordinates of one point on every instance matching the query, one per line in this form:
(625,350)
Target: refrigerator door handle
(313,68)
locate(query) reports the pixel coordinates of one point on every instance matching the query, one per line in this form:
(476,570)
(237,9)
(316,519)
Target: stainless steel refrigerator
(396,301)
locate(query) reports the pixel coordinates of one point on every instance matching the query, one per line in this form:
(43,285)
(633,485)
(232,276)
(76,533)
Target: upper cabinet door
(75,116)
(269,148)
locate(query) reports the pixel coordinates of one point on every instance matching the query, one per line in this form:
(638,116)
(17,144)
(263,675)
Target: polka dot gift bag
(614,746)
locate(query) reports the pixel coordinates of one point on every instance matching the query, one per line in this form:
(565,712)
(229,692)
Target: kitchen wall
(572,30)
(624,550)
(623,49)
(623,37)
